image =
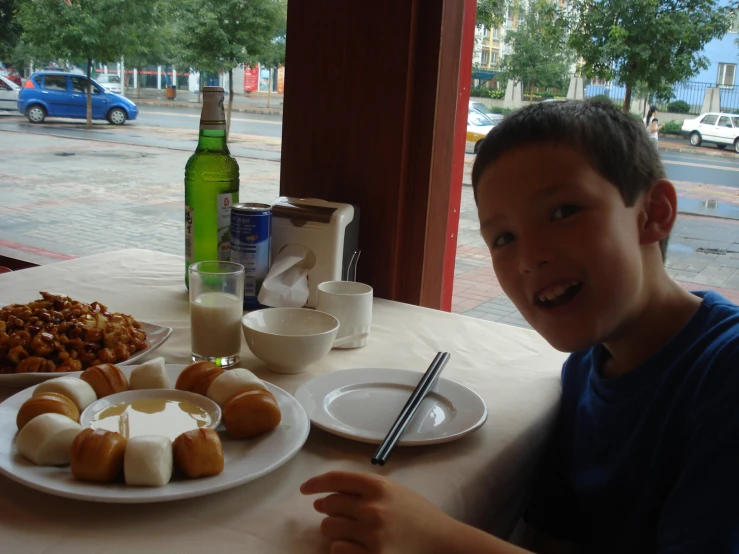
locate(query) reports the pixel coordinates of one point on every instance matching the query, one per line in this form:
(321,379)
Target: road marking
(701,165)
(198,117)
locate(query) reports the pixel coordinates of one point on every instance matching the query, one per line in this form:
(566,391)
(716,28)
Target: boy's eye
(565,211)
(502,240)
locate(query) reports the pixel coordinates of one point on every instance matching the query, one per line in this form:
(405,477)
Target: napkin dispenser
(330,230)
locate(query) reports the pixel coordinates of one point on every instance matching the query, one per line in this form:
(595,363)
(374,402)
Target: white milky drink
(215,320)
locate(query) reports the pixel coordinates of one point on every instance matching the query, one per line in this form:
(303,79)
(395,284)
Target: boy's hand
(368,513)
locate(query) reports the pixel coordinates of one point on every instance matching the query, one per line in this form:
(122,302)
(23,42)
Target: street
(68,192)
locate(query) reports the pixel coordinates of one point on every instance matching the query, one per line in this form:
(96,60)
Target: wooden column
(371,118)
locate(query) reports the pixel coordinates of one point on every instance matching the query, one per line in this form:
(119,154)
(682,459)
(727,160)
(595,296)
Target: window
(735,119)
(735,22)
(726,74)
(486,32)
(3,86)
(55,82)
(709,120)
(496,34)
(79,84)
(724,121)
(38,80)
(485,58)
(493,58)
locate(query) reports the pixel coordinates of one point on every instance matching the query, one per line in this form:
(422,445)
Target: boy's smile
(565,248)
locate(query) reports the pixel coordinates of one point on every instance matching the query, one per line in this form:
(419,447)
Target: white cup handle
(344,340)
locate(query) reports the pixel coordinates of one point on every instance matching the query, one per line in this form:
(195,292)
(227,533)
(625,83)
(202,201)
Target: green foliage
(491,13)
(678,106)
(671,128)
(10,29)
(496,94)
(600,98)
(539,54)
(498,109)
(647,44)
(218,35)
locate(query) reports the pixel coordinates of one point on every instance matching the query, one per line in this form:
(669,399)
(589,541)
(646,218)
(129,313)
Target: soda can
(251,244)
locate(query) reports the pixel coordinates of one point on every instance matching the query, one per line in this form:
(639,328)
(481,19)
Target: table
(480,479)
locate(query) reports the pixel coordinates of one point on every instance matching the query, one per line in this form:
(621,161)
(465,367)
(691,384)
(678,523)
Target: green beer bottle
(211,187)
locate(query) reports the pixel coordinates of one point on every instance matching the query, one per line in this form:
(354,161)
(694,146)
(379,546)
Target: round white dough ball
(150,375)
(232,382)
(47,439)
(148,461)
(77,390)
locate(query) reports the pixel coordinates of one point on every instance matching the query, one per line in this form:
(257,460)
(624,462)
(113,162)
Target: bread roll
(105,379)
(197,377)
(250,414)
(150,375)
(47,439)
(46,403)
(232,382)
(77,390)
(198,453)
(148,461)
(97,455)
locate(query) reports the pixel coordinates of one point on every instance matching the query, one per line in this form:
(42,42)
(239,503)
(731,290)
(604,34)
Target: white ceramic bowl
(213,410)
(289,339)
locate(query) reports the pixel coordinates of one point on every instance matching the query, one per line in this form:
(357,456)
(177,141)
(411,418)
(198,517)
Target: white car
(8,94)
(478,127)
(109,82)
(721,129)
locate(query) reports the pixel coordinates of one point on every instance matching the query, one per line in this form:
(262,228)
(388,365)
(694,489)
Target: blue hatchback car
(60,94)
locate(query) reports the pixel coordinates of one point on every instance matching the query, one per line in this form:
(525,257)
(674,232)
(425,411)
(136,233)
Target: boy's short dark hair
(616,144)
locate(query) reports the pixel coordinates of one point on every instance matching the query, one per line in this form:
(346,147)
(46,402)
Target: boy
(576,211)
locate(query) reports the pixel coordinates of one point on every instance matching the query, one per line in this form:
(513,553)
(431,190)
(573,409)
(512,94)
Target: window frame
(722,74)
(53,78)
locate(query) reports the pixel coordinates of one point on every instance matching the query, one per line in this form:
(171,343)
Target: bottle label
(224,226)
(189,212)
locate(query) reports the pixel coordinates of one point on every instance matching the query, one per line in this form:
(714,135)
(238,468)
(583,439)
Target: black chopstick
(411,407)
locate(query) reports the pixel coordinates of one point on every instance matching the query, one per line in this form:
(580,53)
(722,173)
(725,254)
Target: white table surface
(480,479)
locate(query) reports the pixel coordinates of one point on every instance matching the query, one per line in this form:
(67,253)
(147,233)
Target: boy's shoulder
(706,348)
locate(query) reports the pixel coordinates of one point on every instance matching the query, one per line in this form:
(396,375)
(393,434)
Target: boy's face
(565,248)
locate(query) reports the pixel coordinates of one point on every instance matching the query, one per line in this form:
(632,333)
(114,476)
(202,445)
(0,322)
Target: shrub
(487,93)
(678,106)
(600,98)
(672,128)
(497,109)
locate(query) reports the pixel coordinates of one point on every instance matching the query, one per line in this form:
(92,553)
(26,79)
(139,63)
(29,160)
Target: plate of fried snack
(153,432)
(57,334)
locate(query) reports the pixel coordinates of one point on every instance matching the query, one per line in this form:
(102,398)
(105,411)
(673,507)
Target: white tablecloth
(480,479)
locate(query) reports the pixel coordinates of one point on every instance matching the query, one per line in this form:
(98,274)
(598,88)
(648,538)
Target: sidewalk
(255,102)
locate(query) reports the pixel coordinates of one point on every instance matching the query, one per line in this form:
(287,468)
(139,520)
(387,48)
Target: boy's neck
(667,310)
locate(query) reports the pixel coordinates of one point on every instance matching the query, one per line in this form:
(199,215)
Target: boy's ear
(659,210)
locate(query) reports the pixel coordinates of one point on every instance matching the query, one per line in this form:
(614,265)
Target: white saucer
(362,404)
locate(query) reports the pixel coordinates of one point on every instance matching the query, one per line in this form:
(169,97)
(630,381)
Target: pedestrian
(652,125)
(645,450)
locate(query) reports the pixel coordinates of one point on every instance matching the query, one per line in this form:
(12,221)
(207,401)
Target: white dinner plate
(156,335)
(362,404)
(245,460)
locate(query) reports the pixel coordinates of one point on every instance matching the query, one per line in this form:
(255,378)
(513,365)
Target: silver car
(109,82)
(8,94)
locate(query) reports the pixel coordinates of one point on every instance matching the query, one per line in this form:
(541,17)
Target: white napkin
(286,283)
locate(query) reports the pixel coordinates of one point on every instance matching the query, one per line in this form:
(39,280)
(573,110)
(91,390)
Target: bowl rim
(335,328)
(213,409)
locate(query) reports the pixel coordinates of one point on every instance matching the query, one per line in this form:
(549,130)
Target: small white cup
(351,304)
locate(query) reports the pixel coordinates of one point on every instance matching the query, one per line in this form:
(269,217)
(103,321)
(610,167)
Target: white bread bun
(77,390)
(47,439)
(148,461)
(150,375)
(232,382)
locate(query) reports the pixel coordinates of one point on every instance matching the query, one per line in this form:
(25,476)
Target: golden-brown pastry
(197,377)
(105,379)
(250,414)
(198,453)
(46,403)
(97,455)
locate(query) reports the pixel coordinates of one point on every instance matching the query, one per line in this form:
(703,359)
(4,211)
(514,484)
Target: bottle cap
(213,116)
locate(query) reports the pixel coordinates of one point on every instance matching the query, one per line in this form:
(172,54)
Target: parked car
(11,74)
(721,129)
(62,94)
(110,83)
(478,127)
(482,108)
(8,94)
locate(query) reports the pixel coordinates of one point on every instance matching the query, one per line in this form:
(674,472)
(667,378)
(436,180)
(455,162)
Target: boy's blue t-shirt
(649,461)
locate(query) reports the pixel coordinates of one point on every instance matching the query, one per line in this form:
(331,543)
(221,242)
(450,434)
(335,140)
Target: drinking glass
(216,307)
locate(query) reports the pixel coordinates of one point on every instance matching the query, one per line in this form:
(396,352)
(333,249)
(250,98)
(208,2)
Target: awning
(483,74)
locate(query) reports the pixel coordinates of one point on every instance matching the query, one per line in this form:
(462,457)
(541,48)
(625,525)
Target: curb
(706,151)
(195,106)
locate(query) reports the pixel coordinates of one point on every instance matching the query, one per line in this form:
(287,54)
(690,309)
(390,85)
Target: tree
(90,29)
(491,13)
(10,29)
(655,43)
(218,35)
(539,54)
